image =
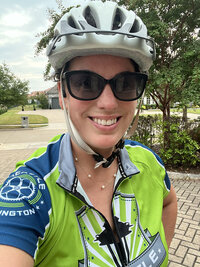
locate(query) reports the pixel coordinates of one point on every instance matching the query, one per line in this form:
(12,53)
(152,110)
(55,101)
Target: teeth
(105,122)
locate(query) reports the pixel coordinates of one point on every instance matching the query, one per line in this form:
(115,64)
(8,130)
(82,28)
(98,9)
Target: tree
(13,91)
(174,25)
(43,101)
(47,35)
(190,76)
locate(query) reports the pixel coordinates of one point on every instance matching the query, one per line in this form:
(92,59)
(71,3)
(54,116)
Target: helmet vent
(117,22)
(71,22)
(89,17)
(135,26)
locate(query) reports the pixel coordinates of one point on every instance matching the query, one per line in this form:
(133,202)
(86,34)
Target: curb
(183,176)
(15,127)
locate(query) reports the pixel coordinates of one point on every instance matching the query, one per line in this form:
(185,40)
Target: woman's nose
(107,100)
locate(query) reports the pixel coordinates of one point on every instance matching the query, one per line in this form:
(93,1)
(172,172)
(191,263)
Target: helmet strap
(70,127)
(134,125)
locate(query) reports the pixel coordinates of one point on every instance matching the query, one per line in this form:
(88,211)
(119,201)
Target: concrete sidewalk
(16,145)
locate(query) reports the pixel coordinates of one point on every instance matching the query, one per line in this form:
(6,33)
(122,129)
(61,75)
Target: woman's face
(101,122)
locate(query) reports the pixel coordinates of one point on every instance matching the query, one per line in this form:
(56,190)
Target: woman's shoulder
(143,153)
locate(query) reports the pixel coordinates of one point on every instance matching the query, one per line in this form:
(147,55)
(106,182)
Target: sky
(20,22)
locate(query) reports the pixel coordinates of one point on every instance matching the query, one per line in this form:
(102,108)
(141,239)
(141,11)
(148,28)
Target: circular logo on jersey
(16,189)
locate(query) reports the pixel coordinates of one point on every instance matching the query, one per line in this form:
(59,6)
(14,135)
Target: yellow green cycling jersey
(45,211)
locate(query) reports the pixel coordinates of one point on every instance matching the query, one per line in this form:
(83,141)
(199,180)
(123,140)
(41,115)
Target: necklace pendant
(103,187)
(89,176)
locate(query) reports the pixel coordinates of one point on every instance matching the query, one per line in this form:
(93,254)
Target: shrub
(195,134)
(143,107)
(153,106)
(43,101)
(147,129)
(3,109)
(182,151)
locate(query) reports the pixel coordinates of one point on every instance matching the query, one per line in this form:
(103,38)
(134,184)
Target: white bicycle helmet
(98,27)
(93,28)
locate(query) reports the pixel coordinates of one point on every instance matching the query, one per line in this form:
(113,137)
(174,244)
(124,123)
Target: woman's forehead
(100,61)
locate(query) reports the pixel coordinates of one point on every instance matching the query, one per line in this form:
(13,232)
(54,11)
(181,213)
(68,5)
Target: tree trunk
(184,118)
(166,127)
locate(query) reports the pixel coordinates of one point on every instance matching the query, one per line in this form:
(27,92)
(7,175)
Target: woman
(89,198)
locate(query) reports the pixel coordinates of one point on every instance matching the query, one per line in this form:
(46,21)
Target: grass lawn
(194,110)
(26,107)
(12,118)
(189,110)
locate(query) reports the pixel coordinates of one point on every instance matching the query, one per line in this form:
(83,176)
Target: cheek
(134,104)
(75,107)
(131,107)
(69,101)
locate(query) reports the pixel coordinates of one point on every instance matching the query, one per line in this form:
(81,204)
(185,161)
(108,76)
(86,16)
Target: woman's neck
(88,158)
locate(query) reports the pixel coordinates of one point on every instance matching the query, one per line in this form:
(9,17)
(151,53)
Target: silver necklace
(103,186)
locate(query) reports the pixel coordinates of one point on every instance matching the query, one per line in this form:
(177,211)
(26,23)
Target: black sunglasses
(88,85)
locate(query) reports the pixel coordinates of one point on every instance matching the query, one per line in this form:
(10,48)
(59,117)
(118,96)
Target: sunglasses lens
(84,85)
(129,86)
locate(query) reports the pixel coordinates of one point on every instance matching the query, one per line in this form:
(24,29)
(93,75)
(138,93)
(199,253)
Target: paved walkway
(191,116)
(18,144)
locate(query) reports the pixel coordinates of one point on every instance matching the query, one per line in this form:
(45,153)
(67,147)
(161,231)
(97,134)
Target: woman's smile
(105,122)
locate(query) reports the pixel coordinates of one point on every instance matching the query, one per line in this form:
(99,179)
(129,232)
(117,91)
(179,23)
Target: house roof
(52,90)
(35,93)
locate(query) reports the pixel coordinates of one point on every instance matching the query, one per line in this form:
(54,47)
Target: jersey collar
(67,178)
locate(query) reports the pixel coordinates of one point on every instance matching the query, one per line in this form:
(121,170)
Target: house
(33,95)
(148,100)
(52,95)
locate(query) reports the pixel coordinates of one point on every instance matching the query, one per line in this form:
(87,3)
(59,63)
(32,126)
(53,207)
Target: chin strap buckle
(107,162)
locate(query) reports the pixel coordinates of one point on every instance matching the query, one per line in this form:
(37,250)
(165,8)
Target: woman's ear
(59,94)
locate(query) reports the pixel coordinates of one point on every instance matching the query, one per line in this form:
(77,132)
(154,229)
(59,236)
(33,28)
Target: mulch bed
(194,170)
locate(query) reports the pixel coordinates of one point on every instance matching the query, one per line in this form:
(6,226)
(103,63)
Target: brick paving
(185,247)
(8,159)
